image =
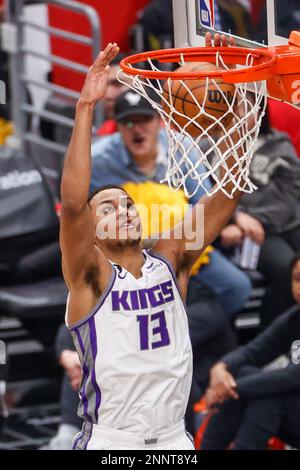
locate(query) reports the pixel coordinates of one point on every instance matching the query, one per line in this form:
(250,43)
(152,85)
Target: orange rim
(263,60)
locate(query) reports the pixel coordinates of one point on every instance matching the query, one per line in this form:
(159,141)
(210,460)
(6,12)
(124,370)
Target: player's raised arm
(200,227)
(77,233)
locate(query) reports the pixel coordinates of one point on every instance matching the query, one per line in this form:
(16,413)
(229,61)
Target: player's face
(140,135)
(296,282)
(113,90)
(116,218)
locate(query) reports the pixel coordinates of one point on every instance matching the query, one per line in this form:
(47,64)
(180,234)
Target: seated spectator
(251,404)
(138,154)
(157,22)
(271,216)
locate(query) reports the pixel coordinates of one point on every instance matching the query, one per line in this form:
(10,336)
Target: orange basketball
(217,97)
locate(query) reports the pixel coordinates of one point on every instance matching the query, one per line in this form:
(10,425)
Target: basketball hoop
(206,132)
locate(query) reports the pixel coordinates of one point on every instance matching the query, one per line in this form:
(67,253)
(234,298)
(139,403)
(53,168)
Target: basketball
(193,101)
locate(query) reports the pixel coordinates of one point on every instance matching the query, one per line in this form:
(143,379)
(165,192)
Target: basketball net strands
(218,124)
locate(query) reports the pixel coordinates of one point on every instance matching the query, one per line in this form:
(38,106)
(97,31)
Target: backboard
(253,23)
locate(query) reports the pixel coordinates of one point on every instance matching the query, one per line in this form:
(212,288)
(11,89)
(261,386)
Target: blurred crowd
(246,394)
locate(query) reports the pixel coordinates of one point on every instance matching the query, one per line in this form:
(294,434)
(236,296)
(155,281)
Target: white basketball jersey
(135,352)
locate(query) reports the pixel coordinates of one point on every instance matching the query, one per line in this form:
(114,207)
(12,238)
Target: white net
(203,142)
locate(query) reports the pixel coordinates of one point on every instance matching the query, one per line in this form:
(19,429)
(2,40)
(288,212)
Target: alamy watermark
(162,221)
(2,92)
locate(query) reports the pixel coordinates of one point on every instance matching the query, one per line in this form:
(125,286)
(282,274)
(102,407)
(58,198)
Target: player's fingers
(208,40)
(231,41)
(113,51)
(224,41)
(106,56)
(217,40)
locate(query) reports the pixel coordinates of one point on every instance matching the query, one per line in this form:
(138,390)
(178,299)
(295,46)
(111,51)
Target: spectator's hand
(231,235)
(69,360)
(222,383)
(95,84)
(250,227)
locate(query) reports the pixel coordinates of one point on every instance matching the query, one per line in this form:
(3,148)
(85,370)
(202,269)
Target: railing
(12,38)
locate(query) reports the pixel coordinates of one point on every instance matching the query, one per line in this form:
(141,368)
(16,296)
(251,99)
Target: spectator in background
(254,404)
(271,216)
(157,22)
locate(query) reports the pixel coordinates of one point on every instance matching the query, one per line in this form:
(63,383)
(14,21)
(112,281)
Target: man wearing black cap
(133,153)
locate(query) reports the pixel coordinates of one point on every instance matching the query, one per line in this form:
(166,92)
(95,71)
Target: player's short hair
(103,188)
(294,261)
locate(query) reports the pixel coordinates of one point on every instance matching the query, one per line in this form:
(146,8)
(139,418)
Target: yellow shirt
(160,209)
(6,129)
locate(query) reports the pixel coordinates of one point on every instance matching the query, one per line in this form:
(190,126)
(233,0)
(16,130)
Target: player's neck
(130,258)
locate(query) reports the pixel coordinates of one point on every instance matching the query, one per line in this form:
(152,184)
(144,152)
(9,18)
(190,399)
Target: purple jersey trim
(84,437)
(80,435)
(89,434)
(79,339)
(93,340)
(99,304)
(86,373)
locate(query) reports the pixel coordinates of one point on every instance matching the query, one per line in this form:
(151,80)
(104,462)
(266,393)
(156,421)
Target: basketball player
(126,305)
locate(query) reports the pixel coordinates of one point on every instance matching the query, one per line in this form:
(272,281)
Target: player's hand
(96,80)
(250,227)
(219,40)
(231,235)
(69,360)
(222,383)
